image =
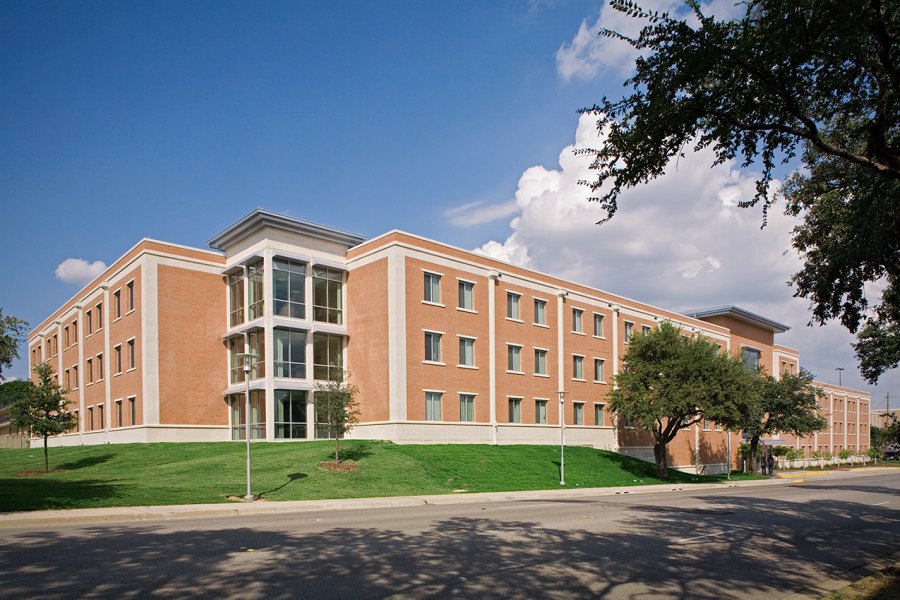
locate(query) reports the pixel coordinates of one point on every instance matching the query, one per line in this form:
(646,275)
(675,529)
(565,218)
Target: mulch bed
(339,467)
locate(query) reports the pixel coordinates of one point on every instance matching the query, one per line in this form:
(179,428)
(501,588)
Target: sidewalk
(90,516)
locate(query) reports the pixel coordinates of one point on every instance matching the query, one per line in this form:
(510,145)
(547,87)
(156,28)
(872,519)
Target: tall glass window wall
(290,353)
(235,298)
(236,346)
(289,288)
(257,415)
(255,295)
(328,295)
(290,414)
(327,356)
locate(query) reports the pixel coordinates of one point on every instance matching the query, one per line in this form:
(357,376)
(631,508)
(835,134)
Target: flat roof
(741,315)
(264,218)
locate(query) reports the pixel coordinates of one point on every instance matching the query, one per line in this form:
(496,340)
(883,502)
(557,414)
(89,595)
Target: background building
(445,346)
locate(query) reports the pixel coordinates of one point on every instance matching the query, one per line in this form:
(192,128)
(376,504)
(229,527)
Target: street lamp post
(562,438)
(247,357)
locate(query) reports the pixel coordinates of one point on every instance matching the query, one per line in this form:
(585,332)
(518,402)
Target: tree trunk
(46,455)
(337,447)
(754,448)
(659,453)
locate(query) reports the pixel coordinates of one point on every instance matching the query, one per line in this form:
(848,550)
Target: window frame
(433,347)
(434,398)
(510,353)
(598,320)
(542,313)
(578,320)
(463,340)
(465,290)
(514,306)
(431,294)
(466,407)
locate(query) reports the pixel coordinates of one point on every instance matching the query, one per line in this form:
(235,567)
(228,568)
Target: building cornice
(260,218)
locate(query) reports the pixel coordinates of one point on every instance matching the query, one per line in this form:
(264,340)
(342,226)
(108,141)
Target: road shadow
(737,548)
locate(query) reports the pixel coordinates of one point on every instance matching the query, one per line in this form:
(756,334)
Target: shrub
(781,450)
(794,454)
(845,453)
(873,453)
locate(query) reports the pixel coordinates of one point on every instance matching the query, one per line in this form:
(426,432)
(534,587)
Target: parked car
(891,455)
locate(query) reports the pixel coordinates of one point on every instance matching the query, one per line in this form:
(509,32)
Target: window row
(289,360)
(93,366)
(288,292)
(293,409)
(129,409)
(434,409)
(93,317)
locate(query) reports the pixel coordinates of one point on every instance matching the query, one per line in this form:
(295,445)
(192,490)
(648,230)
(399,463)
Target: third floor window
(328,295)
(289,288)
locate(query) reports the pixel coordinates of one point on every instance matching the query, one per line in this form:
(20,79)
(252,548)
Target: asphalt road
(762,542)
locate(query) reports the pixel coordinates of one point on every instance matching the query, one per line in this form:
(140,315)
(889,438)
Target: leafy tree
(10,391)
(43,412)
(671,381)
(809,77)
(12,330)
(786,405)
(889,434)
(336,406)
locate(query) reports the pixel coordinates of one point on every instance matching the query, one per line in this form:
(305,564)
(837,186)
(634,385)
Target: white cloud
(679,242)
(589,53)
(79,271)
(476,213)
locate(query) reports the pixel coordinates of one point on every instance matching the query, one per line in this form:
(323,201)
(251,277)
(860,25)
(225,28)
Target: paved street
(754,542)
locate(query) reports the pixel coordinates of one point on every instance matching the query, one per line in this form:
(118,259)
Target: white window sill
(542,375)
(129,312)
(131,369)
(434,362)
(117,374)
(577,332)
(544,325)
(599,337)
(467,310)
(470,367)
(578,379)
(515,372)
(434,304)
(515,320)
(600,381)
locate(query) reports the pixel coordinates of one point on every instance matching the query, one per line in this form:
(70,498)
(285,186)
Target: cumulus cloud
(589,53)
(477,213)
(679,242)
(79,271)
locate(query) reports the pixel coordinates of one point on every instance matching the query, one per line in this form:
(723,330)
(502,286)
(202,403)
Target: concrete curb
(102,516)
(826,587)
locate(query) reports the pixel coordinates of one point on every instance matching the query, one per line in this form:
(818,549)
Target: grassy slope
(154,474)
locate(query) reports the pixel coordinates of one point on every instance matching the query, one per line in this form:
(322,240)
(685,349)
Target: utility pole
(840,371)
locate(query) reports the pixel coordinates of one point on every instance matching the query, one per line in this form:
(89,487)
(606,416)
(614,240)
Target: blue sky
(171,120)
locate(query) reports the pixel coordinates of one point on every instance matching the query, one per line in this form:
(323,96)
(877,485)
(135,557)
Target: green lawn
(198,473)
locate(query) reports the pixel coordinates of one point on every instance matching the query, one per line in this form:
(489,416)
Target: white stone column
(493,279)
(269,341)
(561,346)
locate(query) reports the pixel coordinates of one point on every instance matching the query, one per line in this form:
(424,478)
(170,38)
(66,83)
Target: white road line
(881,503)
(697,537)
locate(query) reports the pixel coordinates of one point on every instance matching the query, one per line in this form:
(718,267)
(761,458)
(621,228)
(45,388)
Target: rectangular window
(235,298)
(257,415)
(132,411)
(328,295)
(540,411)
(598,325)
(540,362)
(90,371)
(512,305)
(75,332)
(515,410)
(130,354)
(629,331)
(290,414)
(751,357)
(67,380)
(577,367)
(236,346)
(513,358)
(75,377)
(118,413)
(432,346)
(99,308)
(328,356)
(466,352)
(432,406)
(600,414)
(77,422)
(117,357)
(66,336)
(99,367)
(290,354)
(466,408)
(255,290)
(578,413)
(598,369)
(705,424)
(540,312)
(289,288)
(129,299)
(117,303)
(432,291)
(466,295)
(645,329)
(90,418)
(89,320)
(577,320)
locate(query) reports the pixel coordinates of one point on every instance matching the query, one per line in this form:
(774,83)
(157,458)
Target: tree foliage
(336,406)
(13,391)
(784,405)
(671,381)
(814,78)
(12,330)
(43,412)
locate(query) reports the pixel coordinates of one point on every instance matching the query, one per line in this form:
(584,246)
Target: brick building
(445,345)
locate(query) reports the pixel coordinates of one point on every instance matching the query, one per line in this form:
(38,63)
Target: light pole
(839,370)
(247,357)
(562,437)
